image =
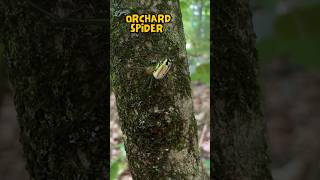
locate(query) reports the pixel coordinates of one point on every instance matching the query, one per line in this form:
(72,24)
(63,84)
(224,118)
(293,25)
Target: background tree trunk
(57,62)
(156,116)
(239,145)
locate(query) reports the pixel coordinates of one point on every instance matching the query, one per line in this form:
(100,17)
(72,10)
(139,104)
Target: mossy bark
(239,144)
(58,71)
(156,116)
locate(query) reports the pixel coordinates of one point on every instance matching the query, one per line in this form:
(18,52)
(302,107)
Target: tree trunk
(239,144)
(57,62)
(156,116)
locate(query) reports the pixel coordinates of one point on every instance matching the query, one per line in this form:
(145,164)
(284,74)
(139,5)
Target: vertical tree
(239,145)
(56,55)
(156,116)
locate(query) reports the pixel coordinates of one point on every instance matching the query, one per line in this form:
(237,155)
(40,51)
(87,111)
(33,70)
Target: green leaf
(119,164)
(114,169)
(123,151)
(184,5)
(202,73)
(206,164)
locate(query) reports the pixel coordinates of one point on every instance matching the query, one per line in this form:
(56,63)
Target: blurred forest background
(289,53)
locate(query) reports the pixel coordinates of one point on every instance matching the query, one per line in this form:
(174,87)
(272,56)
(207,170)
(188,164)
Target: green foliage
(119,164)
(296,35)
(114,169)
(196,22)
(206,163)
(202,73)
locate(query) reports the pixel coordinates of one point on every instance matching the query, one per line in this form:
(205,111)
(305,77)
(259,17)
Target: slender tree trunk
(239,144)
(156,116)
(57,62)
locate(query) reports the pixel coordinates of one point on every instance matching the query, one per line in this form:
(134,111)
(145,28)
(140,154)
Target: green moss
(152,112)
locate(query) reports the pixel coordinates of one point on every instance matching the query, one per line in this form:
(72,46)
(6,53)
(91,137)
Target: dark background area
(289,52)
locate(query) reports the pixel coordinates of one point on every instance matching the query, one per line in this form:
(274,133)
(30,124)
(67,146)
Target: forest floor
(291,108)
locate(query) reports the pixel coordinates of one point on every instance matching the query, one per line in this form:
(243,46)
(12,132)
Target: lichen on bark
(156,116)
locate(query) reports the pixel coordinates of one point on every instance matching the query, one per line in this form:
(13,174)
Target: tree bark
(156,116)
(239,144)
(57,63)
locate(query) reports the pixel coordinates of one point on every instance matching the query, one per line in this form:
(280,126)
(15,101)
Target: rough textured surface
(239,145)
(156,116)
(58,70)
